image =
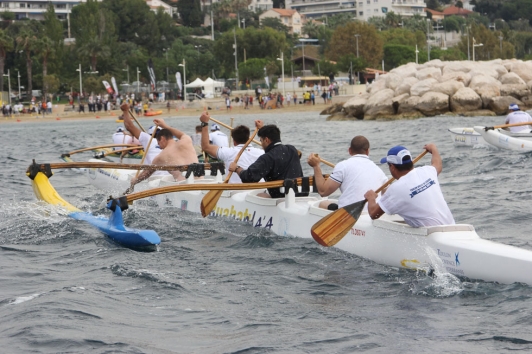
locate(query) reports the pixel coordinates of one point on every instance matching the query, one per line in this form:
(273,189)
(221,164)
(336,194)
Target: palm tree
(6,45)
(94,49)
(26,41)
(45,46)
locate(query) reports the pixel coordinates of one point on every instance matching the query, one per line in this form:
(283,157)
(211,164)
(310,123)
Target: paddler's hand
(370,195)
(205,117)
(124,107)
(313,160)
(259,123)
(430,147)
(232,167)
(160,123)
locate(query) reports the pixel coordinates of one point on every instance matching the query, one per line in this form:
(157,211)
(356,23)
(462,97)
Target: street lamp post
(166,51)
(356,37)
(19,96)
(80,83)
(138,82)
(8,84)
(417,53)
(500,44)
(127,69)
(282,70)
(184,79)
(236,61)
(475,45)
(428,41)
(358,73)
(244,22)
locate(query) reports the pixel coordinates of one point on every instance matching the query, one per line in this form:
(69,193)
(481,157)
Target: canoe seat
(397,224)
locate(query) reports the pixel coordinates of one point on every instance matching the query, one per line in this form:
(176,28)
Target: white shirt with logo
(519,117)
(248,157)
(219,139)
(356,176)
(418,199)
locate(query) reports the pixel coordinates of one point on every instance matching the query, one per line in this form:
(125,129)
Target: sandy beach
(175,111)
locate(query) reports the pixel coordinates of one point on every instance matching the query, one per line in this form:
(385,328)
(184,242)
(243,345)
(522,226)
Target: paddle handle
(393,179)
(147,148)
(507,125)
(97,147)
(136,120)
(123,150)
(240,153)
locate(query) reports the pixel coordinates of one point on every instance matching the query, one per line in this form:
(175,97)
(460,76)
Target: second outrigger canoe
(505,139)
(465,136)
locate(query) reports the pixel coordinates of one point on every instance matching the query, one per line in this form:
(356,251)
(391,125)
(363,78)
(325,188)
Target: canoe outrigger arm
(34,168)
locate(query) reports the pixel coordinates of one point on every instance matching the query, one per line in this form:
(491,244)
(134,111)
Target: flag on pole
(152,75)
(113,81)
(108,87)
(178,79)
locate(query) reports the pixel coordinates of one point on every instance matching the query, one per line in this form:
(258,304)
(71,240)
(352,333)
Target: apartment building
(289,18)
(360,9)
(254,5)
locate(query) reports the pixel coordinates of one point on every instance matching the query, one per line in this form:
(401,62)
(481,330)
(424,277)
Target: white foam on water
(21,299)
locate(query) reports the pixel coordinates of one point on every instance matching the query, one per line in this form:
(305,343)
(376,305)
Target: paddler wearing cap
(416,196)
(218,138)
(518,116)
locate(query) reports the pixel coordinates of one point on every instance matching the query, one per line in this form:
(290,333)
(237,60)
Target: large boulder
(422,87)
(408,105)
(377,85)
(355,106)
(407,70)
(393,80)
(427,73)
(487,70)
(457,66)
(516,91)
(448,87)
(522,69)
(457,76)
(511,79)
(332,109)
(500,105)
(406,85)
(379,105)
(464,100)
(487,93)
(434,63)
(482,80)
(433,103)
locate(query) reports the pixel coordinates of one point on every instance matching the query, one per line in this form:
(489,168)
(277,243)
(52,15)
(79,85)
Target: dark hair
(164,132)
(240,134)
(271,132)
(359,144)
(198,128)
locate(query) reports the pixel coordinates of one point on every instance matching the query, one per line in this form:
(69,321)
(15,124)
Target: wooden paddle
(333,227)
(210,186)
(118,166)
(330,164)
(507,125)
(136,120)
(97,147)
(210,199)
(147,147)
(102,155)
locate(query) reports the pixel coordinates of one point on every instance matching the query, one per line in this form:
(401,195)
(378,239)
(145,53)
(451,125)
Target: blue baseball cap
(514,107)
(396,154)
(215,127)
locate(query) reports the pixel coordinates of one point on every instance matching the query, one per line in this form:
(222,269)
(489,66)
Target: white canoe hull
(465,136)
(501,139)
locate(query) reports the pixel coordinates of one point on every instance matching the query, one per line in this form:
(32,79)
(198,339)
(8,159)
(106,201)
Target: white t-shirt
(219,139)
(356,176)
(248,157)
(417,198)
(121,138)
(519,117)
(152,152)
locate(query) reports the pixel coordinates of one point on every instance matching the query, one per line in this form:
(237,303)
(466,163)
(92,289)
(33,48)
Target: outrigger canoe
(465,136)
(505,139)
(455,249)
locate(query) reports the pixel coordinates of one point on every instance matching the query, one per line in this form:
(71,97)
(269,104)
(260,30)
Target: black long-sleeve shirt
(279,162)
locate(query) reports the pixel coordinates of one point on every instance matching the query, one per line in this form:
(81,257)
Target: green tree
(53,29)
(311,29)
(6,45)
(94,49)
(274,23)
(7,16)
(253,69)
(398,54)
(490,48)
(325,67)
(403,37)
(190,12)
(343,43)
(339,20)
(351,62)
(26,42)
(51,83)
(45,47)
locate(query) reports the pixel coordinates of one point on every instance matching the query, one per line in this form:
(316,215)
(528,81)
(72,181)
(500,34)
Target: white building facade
(360,9)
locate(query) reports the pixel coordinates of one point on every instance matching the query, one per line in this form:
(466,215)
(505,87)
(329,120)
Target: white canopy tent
(213,87)
(196,83)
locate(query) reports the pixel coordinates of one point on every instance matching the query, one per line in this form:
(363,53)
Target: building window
(375,1)
(22,5)
(361,13)
(376,10)
(361,4)
(368,2)
(60,6)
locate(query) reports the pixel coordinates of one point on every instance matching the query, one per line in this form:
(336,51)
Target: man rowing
(240,135)
(518,116)
(279,161)
(416,195)
(354,176)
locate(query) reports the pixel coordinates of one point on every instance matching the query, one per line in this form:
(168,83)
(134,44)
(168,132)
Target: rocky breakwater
(436,87)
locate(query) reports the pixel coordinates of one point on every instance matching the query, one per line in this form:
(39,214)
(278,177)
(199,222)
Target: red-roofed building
(289,18)
(456,11)
(436,15)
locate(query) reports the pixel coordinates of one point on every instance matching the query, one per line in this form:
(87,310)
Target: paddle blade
(209,202)
(332,228)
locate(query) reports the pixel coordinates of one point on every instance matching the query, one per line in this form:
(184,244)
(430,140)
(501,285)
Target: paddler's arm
(374,208)
(175,132)
(128,121)
(325,187)
(205,143)
(436,158)
(254,173)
